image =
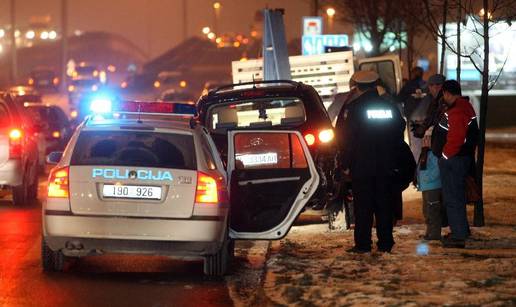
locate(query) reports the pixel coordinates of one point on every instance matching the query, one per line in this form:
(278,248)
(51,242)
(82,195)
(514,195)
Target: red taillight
(207,190)
(310,139)
(58,183)
(15,143)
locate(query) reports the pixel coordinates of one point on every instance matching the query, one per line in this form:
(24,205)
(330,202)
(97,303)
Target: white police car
(151,182)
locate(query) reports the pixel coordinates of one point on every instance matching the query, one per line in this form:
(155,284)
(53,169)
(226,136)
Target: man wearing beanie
(454,140)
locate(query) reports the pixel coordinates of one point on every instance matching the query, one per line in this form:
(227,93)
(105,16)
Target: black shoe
(449,242)
(356,250)
(384,250)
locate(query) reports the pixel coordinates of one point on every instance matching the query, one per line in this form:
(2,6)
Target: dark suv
(282,105)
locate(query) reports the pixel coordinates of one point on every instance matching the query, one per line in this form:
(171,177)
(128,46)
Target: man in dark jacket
(454,140)
(370,131)
(412,95)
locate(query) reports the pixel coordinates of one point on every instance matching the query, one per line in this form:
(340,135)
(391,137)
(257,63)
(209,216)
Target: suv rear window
(130,148)
(257,113)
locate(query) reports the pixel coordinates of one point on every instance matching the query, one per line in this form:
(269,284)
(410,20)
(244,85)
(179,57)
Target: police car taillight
(207,191)
(58,183)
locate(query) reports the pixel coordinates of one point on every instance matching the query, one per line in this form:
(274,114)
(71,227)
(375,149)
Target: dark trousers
(373,198)
(453,178)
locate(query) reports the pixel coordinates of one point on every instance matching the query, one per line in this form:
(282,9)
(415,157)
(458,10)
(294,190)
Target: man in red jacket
(454,140)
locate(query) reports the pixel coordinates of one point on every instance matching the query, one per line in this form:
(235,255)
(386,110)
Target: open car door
(271,177)
(388,68)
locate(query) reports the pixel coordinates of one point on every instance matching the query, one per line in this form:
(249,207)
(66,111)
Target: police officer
(370,133)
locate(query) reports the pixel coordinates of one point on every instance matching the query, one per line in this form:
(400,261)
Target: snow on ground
(310,266)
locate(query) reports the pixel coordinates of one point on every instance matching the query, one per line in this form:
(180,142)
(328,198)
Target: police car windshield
(130,148)
(257,113)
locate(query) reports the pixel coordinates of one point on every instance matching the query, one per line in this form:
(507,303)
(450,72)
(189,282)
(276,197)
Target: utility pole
(14,60)
(315,8)
(64,42)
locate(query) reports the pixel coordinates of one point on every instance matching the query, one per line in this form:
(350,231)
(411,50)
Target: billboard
(502,55)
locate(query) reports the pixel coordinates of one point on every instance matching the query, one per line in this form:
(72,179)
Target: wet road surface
(112,280)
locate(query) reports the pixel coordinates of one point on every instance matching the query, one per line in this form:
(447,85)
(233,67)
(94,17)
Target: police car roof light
(155,108)
(101,105)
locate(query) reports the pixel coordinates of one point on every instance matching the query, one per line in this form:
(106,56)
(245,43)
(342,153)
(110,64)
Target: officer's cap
(365,77)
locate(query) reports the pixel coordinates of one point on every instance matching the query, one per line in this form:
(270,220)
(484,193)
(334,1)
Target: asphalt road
(114,280)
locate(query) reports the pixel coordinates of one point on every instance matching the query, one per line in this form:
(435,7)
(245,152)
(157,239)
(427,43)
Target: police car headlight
(100,105)
(326,135)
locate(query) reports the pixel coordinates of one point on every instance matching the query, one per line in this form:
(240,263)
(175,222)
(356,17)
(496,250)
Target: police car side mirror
(54,157)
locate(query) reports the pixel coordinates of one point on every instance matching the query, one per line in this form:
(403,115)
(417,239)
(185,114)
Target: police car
(151,181)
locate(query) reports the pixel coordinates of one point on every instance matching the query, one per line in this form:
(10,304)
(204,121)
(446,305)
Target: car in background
(18,152)
(25,94)
(278,105)
(211,85)
(44,80)
(52,126)
(152,182)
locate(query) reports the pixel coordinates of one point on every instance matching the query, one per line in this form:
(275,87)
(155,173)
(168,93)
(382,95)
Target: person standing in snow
(454,141)
(369,133)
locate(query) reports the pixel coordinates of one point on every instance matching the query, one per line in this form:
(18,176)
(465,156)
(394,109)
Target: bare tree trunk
(459,18)
(443,37)
(478,218)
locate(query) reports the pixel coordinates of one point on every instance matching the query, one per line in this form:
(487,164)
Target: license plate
(131,191)
(258,159)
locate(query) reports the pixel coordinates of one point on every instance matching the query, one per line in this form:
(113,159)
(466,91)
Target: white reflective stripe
(444,156)
(443,127)
(446,114)
(258,181)
(377,114)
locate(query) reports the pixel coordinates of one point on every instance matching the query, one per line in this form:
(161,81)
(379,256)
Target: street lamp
(330,12)
(206,30)
(216,10)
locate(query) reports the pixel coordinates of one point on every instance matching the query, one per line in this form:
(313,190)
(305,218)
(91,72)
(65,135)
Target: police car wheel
(217,264)
(51,261)
(20,193)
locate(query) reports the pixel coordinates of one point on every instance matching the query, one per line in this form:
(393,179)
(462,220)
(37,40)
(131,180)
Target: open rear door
(389,69)
(272,176)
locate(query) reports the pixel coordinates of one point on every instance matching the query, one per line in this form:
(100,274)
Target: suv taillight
(58,183)
(15,143)
(324,136)
(207,191)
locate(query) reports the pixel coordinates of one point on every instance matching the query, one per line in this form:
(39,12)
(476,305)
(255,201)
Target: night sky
(155,25)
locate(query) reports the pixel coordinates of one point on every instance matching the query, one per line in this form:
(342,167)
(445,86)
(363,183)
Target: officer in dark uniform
(370,133)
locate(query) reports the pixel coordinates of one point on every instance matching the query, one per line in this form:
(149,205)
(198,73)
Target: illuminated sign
(314,44)
(312,25)
(379,114)
(501,54)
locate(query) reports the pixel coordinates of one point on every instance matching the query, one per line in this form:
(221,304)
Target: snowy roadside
(310,266)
